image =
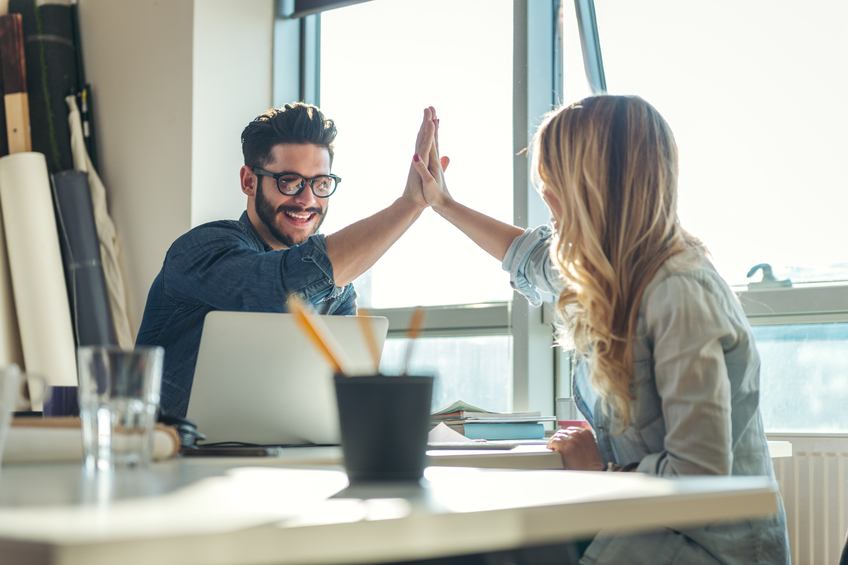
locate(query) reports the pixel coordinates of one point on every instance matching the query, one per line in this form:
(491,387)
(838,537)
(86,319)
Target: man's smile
(298,216)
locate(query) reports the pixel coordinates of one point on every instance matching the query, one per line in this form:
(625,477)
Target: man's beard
(267,214)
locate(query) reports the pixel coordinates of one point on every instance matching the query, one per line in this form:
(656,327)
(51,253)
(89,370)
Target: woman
(669,373)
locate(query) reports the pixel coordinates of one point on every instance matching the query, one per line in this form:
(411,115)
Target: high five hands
(427,165)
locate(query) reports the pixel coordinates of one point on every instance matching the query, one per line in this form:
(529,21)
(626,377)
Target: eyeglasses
(292,184)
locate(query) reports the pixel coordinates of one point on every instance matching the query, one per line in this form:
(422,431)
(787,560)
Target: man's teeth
(299,215)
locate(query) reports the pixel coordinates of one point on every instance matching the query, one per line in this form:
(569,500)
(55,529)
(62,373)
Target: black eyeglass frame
(301,185)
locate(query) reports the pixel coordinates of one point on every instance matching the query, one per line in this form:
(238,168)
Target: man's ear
(249,181)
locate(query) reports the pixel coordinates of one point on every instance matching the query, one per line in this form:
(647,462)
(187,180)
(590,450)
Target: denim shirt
(695,407)
(225,265)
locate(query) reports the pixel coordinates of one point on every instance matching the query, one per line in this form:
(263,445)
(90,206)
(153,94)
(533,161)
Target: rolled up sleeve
(218,268)
(689,329)
(528,263)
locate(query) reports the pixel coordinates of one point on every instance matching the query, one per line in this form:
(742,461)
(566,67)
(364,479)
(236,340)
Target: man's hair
(296,122)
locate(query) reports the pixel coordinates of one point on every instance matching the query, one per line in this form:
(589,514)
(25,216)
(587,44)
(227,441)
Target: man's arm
(354,249)
(217,266)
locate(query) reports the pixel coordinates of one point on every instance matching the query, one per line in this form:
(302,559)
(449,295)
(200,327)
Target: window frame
(801,304)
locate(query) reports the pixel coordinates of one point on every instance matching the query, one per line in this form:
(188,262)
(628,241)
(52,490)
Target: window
(806,370)
(382,62)
(754,93)
(575,85)
(488,71)
(477,369)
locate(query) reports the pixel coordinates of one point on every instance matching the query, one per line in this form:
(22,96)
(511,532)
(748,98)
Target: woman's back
(695,408)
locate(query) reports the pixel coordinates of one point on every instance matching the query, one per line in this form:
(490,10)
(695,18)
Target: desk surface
(531,457)
(536,457)
(216,512)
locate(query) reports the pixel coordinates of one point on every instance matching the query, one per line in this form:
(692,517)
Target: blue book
(502,430)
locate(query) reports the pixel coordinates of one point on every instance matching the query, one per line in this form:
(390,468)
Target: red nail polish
(416,158)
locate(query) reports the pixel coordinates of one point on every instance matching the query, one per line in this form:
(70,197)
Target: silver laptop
(260,380)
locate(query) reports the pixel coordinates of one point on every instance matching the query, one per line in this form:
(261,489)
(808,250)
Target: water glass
(118,399)
(567,414)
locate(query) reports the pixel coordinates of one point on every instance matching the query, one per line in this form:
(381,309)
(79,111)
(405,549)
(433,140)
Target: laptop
(259,379)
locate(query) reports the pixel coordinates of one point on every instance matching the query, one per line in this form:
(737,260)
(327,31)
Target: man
(274,249)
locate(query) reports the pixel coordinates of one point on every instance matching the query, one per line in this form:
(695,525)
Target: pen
(317,334)
(415,323)
(370,342)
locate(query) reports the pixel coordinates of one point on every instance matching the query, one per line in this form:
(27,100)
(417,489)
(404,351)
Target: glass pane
(755,92)
(575,84)
(804,377)
(382,63)
(474,369)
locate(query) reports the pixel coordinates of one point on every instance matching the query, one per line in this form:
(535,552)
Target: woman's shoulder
(681,273)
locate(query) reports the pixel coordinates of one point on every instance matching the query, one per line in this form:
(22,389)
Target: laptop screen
(259,379)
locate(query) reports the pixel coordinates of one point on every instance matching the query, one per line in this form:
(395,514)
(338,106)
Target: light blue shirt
(695,407)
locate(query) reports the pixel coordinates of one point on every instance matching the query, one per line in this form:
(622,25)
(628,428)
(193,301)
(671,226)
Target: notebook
(258,378)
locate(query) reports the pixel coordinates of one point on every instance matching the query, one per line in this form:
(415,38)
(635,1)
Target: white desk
(535,457)
(219,513)
(530,457)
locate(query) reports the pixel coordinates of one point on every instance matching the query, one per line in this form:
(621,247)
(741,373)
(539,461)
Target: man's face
(292,219)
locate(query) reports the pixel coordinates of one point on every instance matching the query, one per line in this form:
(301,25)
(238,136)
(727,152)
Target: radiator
(815,493)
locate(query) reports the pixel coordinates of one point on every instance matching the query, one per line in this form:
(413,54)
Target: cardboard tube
(10,338)
(38,280)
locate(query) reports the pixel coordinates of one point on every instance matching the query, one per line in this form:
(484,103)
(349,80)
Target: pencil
(415,323)
(370,342)
(311,326)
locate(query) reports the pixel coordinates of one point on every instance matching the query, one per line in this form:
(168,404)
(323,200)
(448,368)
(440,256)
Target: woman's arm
(689,330)
(522,253)
(492,235)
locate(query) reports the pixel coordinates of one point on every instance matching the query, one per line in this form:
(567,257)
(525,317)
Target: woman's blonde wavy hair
(611,164)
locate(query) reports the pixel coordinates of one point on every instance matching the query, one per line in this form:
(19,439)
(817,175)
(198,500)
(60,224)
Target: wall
(157,69)
(232,85)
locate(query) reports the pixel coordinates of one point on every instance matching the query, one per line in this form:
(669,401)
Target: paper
(443,434)
(38,279)
(460,405)
(461,410)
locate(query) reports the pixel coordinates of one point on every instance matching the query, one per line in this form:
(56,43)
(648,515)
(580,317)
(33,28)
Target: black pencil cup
(384,425)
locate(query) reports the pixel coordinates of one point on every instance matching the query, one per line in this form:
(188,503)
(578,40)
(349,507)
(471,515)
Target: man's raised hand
(423,143)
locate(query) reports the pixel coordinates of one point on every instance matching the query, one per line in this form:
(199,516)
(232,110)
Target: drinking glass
(118,399)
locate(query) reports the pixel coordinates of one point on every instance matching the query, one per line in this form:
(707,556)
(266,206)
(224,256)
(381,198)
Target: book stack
(477,423)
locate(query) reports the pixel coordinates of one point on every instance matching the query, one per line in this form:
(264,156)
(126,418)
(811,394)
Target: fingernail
(416,158)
